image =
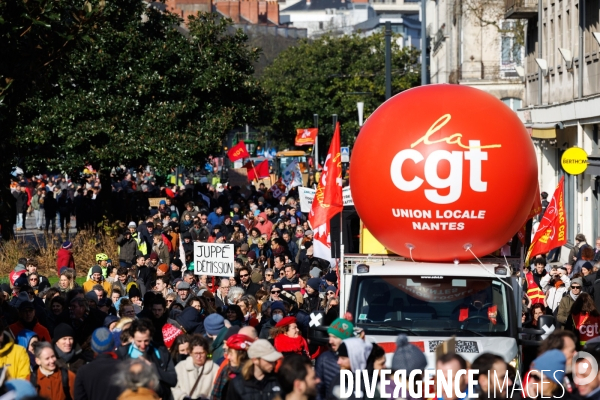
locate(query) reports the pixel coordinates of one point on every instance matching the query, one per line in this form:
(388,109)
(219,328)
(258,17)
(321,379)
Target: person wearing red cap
(287,337)
(237,355)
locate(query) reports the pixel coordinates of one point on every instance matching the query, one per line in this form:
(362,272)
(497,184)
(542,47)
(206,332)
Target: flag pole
(254,169)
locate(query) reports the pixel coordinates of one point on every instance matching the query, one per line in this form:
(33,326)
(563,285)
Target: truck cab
(478,304)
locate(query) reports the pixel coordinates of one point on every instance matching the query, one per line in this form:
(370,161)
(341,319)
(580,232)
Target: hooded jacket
(265,227)
(14,358)
(64,258)
(217,345)
(191,320)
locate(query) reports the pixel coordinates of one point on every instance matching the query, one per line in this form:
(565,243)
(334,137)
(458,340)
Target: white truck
(478,303)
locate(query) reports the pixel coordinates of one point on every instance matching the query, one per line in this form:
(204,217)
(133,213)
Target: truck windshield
(433,305)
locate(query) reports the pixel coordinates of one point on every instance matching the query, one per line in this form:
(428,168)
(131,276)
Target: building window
(513,102)
(511,51)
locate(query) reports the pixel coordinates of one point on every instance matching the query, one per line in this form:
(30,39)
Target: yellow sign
(574,161)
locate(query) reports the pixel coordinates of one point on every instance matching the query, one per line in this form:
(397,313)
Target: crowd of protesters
(143,325)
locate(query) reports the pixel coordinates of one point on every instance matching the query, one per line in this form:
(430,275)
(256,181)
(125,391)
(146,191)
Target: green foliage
(36,34)
(329,76)
(136,91)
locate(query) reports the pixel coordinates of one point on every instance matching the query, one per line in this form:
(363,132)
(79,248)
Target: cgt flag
(306,136)
(238,152)
(328,199)
(552,230)
(259,171)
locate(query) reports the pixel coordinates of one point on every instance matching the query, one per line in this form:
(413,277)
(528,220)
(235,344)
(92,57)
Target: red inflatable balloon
(440,169)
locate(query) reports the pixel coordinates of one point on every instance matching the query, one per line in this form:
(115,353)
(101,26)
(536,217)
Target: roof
(317,5)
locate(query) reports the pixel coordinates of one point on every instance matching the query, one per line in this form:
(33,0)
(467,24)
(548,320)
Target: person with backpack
(575,253)
(49,380)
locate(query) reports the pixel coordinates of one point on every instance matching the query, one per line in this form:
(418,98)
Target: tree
(328,76)
(138,92)
(36,36)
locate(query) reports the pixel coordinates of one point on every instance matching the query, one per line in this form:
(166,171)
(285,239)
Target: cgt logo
(590,330)
(474,156)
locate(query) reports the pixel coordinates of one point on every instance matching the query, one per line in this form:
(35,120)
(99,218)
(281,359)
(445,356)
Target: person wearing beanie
(277,314)
(313,300)
(176,266)
(64,257)
(96,278)
(68,353)
(552,365)
(567,301)
(326,366)
(105,365)
(128,248)
(215,328)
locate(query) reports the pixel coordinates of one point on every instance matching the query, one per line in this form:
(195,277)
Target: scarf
(573,296)
(286,344)
(67,357)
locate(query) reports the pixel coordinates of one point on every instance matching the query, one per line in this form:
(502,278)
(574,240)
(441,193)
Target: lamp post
(388,59)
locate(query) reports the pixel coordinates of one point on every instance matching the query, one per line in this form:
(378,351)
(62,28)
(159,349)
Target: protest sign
(307,194)
(155,200)
(213,259)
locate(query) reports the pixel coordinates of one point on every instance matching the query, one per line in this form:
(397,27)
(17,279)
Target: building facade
(345,17)
(471,44)
(562,99)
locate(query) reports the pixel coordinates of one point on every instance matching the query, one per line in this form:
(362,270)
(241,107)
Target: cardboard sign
(214,259)
(238,177)
(307,194)
(155,200)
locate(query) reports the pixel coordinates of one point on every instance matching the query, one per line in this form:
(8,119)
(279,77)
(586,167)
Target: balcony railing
(520,9)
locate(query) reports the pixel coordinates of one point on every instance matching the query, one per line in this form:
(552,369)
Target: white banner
(213,259)
(307,195)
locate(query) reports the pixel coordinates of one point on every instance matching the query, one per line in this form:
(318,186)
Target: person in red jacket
(28,320)
(64,257)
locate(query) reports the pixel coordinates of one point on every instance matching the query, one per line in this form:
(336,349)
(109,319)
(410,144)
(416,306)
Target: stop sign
(440,171)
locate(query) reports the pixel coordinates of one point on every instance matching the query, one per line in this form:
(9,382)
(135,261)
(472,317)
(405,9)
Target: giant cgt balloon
(443,172)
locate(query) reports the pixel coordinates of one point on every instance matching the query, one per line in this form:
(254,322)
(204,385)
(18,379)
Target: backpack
(64,373)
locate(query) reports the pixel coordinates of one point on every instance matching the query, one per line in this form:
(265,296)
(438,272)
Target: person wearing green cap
(326,367)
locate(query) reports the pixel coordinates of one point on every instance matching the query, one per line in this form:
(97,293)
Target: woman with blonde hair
(66,281)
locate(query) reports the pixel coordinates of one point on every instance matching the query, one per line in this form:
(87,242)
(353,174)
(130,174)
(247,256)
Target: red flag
(328,199)
(552,230)
(258,171)
(238,152)
(306,136)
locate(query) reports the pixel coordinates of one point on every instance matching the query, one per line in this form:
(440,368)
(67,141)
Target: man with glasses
(246,282)
(221,294)
(566,303)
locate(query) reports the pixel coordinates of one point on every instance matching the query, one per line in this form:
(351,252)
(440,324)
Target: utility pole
(424,69)
(316,158)
(388,60)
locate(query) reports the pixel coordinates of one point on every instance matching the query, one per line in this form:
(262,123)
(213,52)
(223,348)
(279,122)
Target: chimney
(253,17)
(273,11)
